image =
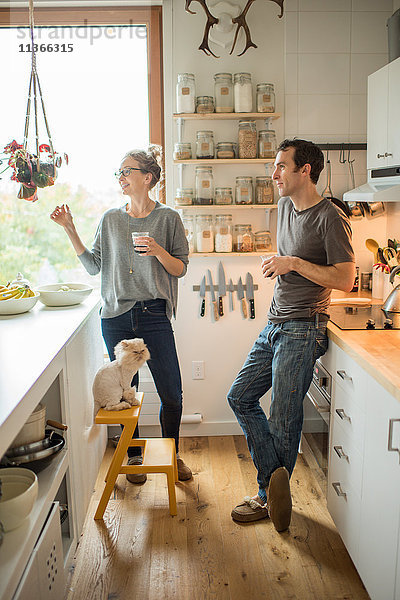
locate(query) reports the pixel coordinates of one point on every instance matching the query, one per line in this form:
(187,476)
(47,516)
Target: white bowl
(52,295)
(15,306)
(19,489)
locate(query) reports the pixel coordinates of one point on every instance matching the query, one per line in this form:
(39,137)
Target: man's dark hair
(305,153)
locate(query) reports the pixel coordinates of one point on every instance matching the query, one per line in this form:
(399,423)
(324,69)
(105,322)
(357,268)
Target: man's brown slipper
(279,499)
(251,509)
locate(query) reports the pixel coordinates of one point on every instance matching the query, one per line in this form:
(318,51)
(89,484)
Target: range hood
(383,186)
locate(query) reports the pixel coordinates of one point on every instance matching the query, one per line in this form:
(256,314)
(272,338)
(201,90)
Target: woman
(139,291)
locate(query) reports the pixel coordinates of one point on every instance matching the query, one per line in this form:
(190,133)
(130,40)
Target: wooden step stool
(159,454)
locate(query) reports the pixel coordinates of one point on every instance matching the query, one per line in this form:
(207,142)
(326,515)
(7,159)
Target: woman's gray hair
(149,161)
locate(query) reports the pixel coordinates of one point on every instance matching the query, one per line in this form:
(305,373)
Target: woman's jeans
(283,358)
(147,320)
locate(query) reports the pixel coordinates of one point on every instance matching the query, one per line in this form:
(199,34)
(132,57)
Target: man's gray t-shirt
(320,235)
(113,255)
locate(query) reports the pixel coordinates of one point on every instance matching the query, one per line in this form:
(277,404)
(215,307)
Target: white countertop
(29,343)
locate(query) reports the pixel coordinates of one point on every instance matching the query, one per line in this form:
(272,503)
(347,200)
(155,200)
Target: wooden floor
(141,552)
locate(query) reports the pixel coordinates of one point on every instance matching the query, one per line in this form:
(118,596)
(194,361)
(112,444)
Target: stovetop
(363,317)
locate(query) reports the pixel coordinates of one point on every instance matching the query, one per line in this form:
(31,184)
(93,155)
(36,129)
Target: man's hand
(277,265)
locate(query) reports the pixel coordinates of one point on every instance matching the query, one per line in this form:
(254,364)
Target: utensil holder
(377,283)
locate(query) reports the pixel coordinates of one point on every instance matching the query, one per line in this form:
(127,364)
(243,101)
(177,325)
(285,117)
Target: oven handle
(320,409)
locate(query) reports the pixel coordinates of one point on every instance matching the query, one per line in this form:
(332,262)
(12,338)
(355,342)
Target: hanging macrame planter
(38,170)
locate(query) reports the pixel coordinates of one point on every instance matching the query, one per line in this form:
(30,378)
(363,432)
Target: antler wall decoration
(239,21)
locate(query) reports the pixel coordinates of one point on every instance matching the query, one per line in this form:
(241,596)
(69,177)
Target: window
(100,74)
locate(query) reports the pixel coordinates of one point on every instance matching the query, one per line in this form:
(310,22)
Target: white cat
(112,383)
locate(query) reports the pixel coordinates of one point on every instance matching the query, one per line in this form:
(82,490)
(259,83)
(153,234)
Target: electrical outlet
(198,369)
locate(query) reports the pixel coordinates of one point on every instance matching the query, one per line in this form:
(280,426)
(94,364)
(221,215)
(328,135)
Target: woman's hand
(152,248)
(62,216)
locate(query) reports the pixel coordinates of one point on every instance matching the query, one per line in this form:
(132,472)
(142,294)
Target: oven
(317,406)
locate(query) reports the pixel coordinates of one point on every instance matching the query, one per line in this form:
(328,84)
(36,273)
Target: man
(314,256)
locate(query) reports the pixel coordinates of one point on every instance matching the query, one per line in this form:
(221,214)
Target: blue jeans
(147,320)
(283,358)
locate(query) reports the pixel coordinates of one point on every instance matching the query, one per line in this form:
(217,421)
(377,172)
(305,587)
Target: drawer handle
(338,489)
(388,154)
(342,415)
(340,453)
(390,440)
(380,156)
(344,375)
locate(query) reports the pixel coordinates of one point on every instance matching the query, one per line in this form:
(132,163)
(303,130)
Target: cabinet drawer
(345,512)
(349,414)
(350,376)
(346,461)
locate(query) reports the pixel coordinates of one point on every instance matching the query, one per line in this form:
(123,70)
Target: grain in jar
(204,104)
(204,233)
(188,224)
(247,139)
(182,151)
(266,143)
(184,197)
(185,93)
(225,150)
(265,98)
(223,233)
(204,185)
(204,144)
(223,92)
(242,92)
(244,190)
(262,241)
(264,191)
(223,195)
(243,238)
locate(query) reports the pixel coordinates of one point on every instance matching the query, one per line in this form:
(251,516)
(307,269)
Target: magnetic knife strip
(196,288)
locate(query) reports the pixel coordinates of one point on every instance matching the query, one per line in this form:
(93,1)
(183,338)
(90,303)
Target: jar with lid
(188,223)
(225,150)
(262,241)
(223,195)
(264,191)
(182,151)
(204,185)
(184,197)
(243,238)
(247,139)
(185,93)
(266,143)
(242,92)
(204,104)
(244,190)
(204,233)
(204,144)
(223,233)
(265,98)
(223,92)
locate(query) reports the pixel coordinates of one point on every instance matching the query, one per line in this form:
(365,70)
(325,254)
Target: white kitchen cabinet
(383,124)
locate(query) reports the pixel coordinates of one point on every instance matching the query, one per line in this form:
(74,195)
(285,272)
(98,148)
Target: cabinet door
(380,504)
(377,118)
(393,146)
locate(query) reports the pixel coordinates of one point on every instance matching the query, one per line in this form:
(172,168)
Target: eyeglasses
(127,171)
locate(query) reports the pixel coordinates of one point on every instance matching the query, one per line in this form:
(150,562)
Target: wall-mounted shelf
(235,207)
(229,254)
(225,116)
(224,161)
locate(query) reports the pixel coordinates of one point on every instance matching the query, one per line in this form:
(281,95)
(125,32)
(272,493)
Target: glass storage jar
(266,143)
(223,195)
(242,92)
(182,151)
(247,139)
(188,223)
(223,92)
(223,233)
(185,93)
(262,241)
(265,98)
(225,150)
(244,190)
(243,238)
(204,104)
(184,197)
(204,233)
(204,144)
(264,191)
(204,185)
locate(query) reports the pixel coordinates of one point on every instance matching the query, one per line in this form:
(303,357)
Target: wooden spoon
(373,247)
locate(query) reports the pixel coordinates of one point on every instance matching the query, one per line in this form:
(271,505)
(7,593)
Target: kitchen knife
(213,297)
(203,296)
(240,295)
(230,289)
(221,288)
(250,294)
